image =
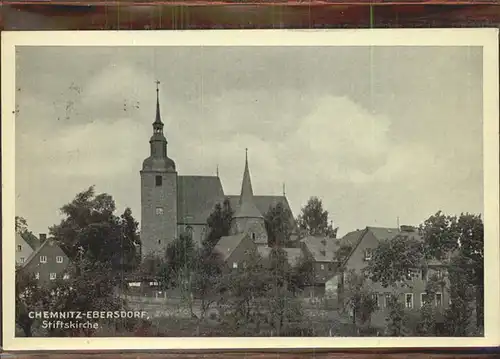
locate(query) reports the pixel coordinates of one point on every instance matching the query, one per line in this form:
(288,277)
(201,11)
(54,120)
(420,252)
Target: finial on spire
(217,171)
(158,116)
(246,154)
(157,85)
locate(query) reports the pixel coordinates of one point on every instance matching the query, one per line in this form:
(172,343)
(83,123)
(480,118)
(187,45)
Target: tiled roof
(383,234)
(247,208)
(48,242)
(228,244)
(197,197)
(322,249)
(292,254)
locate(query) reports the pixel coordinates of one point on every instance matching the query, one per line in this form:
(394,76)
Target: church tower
(247,218)
(158,192)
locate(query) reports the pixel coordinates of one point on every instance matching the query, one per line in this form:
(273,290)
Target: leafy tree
(313,219)
(242,293)
(219,223)
(302,274)
(278,225)
(392,260)
(26,234)
(358,299)
(207,279)
(439,232)
(29,297)
(179,263)
(91,229)
(397,320)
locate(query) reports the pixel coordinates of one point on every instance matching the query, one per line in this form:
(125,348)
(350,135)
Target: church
(172,204)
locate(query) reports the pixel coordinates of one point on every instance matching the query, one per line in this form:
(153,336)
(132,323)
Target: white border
(488,38)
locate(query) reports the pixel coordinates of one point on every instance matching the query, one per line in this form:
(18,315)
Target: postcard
(267,189)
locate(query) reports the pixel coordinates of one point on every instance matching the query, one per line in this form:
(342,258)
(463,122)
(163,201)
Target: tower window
(253,235)
(159,180)
(159,211)
(159,241)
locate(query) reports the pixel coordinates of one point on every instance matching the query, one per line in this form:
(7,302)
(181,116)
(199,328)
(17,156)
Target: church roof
(247,208)
(197,197)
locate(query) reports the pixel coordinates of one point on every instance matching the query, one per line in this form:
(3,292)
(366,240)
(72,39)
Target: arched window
(189,231)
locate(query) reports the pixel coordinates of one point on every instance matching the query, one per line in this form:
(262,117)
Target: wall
(51,251)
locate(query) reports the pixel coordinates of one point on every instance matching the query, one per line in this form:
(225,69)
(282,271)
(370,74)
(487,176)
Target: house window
(43,259)
(66,276)
(37,275)
(412,274)
(375,299)
(330,267)
(409,300)
(159,211)
(368,254)
(19,248)
(322,267)
(387,300)
(235,265)
(439,299)
(253,236)
(52,276)
(59,259)
(159,181)
(22,259)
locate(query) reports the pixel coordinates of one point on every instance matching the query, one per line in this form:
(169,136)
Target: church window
(159,211)
(159,180)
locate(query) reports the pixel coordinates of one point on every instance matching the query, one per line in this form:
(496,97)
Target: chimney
(42,237)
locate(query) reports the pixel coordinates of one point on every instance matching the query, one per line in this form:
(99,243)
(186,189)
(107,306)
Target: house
(234,250)
(48,262)
(412,294)
(322,252)
(23,250)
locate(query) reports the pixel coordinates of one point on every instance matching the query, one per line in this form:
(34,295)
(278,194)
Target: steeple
(158,159)
(247,208)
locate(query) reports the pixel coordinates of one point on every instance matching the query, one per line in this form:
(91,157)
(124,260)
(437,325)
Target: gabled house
(234,250)
(47,263)
(412,293)
(322,252)
(23,250)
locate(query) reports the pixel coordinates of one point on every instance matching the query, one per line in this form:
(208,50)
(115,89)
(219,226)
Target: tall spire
(158,116)
(247,206)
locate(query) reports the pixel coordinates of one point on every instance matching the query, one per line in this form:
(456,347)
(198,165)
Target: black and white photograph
(251,189)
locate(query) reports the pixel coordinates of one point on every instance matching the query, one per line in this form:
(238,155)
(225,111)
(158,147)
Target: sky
(376,133)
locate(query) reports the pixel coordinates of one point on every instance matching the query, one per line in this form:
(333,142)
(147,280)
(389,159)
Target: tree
(207,279)
(313,219)
(397,320)
(278,225)
(358,299)
(439,233)
(25,233)
(179,263)
(29,297)
(91,229)
(302,274)
(219,223)
(393,259)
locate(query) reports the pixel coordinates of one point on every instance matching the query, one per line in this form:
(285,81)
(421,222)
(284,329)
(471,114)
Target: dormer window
(158,181)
